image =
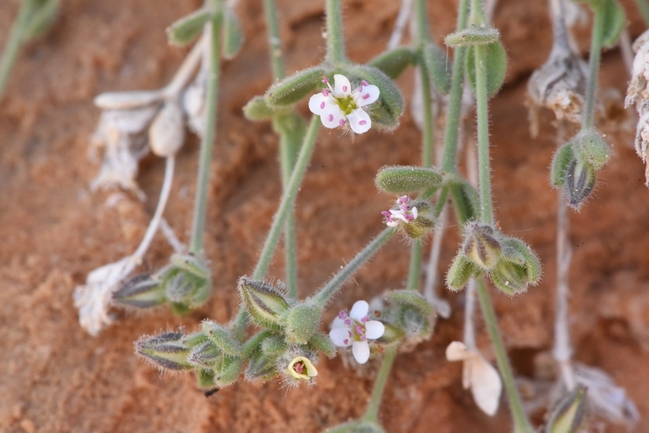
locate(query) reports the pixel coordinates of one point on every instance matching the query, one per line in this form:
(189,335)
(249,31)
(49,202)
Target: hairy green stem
(335,38)
(331,288)
(274,41)
(372,411)
(453,112)
(597,37)
(287,149)
(482,108)
(414,270)
(521,422)
(14,41)
(288,199)
(205,157)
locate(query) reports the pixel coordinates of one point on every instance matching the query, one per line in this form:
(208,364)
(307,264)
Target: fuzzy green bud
(580,181)
(437,67)
(518,252)
(570,414)
(205,355)
(204,378)
(165,350)
(509,277)
(186,289)
(472,36)
(481,245)
(191,264)
(141,291)
(257,109)
(301,323)
(411,299)
(294,87)
(461,270)
(228,371)
(561,161)
(392,63)
(321,342)
(232,34)
(495,67)
(614,22)
(423,224)
(184,30)
(589,146)
(389,107)
(261,367)
(404,179)
(222,337)
(264,302)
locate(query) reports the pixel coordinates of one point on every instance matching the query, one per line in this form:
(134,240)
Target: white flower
(479,375)
(339,104)
(354,329)
(402,213)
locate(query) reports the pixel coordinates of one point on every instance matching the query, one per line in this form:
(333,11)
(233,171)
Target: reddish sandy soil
(56,378)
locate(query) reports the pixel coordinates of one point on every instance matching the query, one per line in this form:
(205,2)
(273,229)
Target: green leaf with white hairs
(228,371)
(495,67)
(561,161)
(402,179)
(466,201)
(184,30)
(472,36)
(192,264)
(321,342)
(461,270)
(301,323)
(294,87)
(232,34)
(222,337)
(412,299)
(589,146)
(393,62)
(570,413)
(437,67)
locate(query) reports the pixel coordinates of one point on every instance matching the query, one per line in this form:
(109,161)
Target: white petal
(338,323)
(318,103)
(331,116)
(361,351)
(397,214)
(342,86)
(359,310)
(457,351)
(367,95)
(339,335)
(392,223)
(360,121)
(485,385)
(374,329)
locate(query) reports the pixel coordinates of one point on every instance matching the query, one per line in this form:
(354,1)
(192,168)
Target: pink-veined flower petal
(366,95)
(319,102)
(374,329)
(331,116)
(339,336)
(359,121)
(338,323)
(361,351)
(486,385)
(342,86)
(359,310)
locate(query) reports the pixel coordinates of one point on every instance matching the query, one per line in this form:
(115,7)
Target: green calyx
(265,303)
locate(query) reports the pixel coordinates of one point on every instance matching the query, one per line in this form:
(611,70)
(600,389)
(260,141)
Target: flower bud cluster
(185,284)
(509,262)
(415,218)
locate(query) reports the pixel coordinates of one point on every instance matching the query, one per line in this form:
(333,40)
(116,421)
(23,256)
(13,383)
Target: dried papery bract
(638,94)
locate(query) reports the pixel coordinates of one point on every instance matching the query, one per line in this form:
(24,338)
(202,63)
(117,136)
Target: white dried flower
(477,374)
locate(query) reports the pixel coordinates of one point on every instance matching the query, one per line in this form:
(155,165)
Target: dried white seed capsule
(126,100)
(167,132)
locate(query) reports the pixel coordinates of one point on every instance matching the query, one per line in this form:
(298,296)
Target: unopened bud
(389,107)
(228,371)
(411,299)
(187,289)
(264,302)
(570,413)
(261,367)
(405,179)
(321,342)
(302,322)
(165,350)
(461,270)
(167,132)
(294,87)
(141,291)
(466,202)
(472,36)
(257,109)
(222,337)
(481,245)
(561,162)
(186,29)
(580,181)
(191,264)
(205,355)
(205,379)
(589,146)
(517,251)
(509,277)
